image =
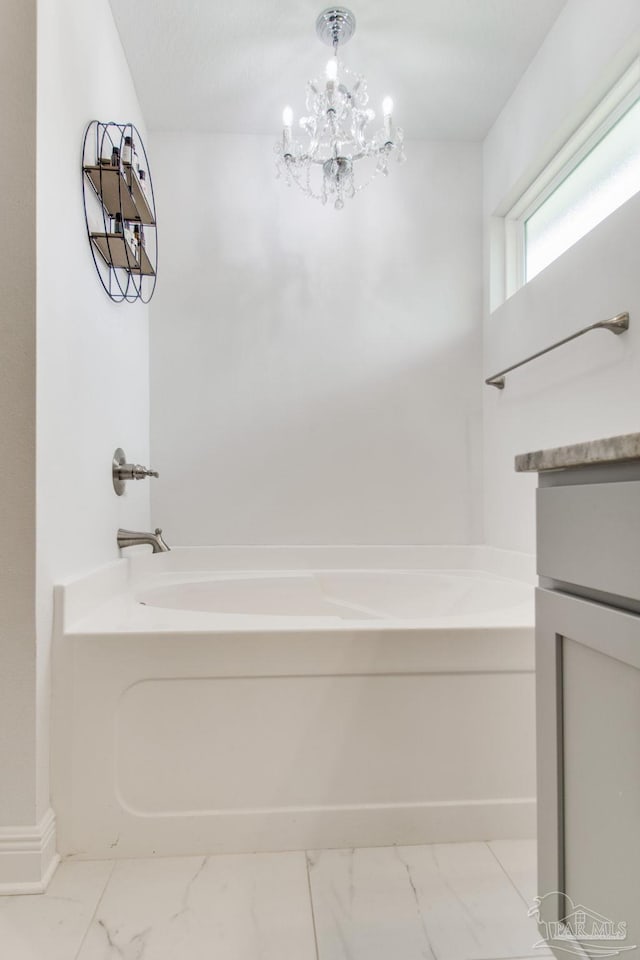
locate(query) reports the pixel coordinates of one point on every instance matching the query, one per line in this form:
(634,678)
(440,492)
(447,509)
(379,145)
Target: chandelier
(336,129)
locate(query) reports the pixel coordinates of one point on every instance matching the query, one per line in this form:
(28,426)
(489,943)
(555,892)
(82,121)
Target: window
(594,173)
(607,177)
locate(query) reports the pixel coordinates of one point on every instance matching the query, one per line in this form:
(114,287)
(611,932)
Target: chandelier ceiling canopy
(336,142)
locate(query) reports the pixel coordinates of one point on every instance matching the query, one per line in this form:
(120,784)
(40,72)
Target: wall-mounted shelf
(118,202)
(116,252)
(120,190)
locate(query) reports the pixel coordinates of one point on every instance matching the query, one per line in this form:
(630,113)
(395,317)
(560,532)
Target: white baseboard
(28,856)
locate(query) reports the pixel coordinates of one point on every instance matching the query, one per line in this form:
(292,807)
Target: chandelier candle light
(336,128)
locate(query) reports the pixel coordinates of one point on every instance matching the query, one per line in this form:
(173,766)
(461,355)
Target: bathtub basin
(348,595)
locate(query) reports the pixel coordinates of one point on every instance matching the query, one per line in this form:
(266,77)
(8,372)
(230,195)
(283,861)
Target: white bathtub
(296,699)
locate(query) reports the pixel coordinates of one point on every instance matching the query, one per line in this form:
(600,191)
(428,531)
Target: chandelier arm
(303,160)
(373,152)
(362,155)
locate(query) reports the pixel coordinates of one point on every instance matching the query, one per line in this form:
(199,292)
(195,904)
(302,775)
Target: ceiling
(230,67)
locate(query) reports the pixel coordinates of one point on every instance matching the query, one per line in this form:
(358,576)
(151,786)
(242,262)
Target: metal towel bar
(616,325)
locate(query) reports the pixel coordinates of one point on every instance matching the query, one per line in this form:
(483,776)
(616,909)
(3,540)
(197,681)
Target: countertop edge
(619,449)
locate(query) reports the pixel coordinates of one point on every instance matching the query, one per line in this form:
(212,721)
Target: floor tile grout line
(313,913)
(95,910)
(508,876)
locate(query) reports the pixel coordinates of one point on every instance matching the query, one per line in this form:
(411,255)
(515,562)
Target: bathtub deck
(465,901)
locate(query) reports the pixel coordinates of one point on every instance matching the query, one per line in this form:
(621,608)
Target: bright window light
(607,177)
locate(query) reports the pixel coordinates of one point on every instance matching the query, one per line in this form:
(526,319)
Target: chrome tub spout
(133,538)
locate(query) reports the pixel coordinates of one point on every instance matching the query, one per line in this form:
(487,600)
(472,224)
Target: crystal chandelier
(337,141)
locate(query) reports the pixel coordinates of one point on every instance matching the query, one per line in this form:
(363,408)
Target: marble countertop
(607,450)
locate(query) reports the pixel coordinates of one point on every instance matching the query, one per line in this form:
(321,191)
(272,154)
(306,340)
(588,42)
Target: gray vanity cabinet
(588,698)
(588,706)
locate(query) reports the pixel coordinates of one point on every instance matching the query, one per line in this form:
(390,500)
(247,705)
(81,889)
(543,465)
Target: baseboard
(28,856)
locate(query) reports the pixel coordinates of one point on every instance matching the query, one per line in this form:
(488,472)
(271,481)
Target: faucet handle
(121,471)
(138,472)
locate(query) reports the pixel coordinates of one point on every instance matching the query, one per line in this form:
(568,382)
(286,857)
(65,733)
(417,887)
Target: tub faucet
(132,538)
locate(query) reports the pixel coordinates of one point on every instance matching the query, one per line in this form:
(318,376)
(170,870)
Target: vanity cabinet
(588,695)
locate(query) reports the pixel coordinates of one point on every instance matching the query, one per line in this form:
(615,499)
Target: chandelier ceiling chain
(336,127)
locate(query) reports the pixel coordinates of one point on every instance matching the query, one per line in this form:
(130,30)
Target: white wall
(17,413)
(92,354)
(590,388)
(316,375)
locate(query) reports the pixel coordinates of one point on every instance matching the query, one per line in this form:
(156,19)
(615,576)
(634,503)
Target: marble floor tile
(364,907)
(469,906)
(446,901)
(51,926)
(244,907)
(519,859)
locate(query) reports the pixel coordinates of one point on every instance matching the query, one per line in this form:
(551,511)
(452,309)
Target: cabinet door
(588,703)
